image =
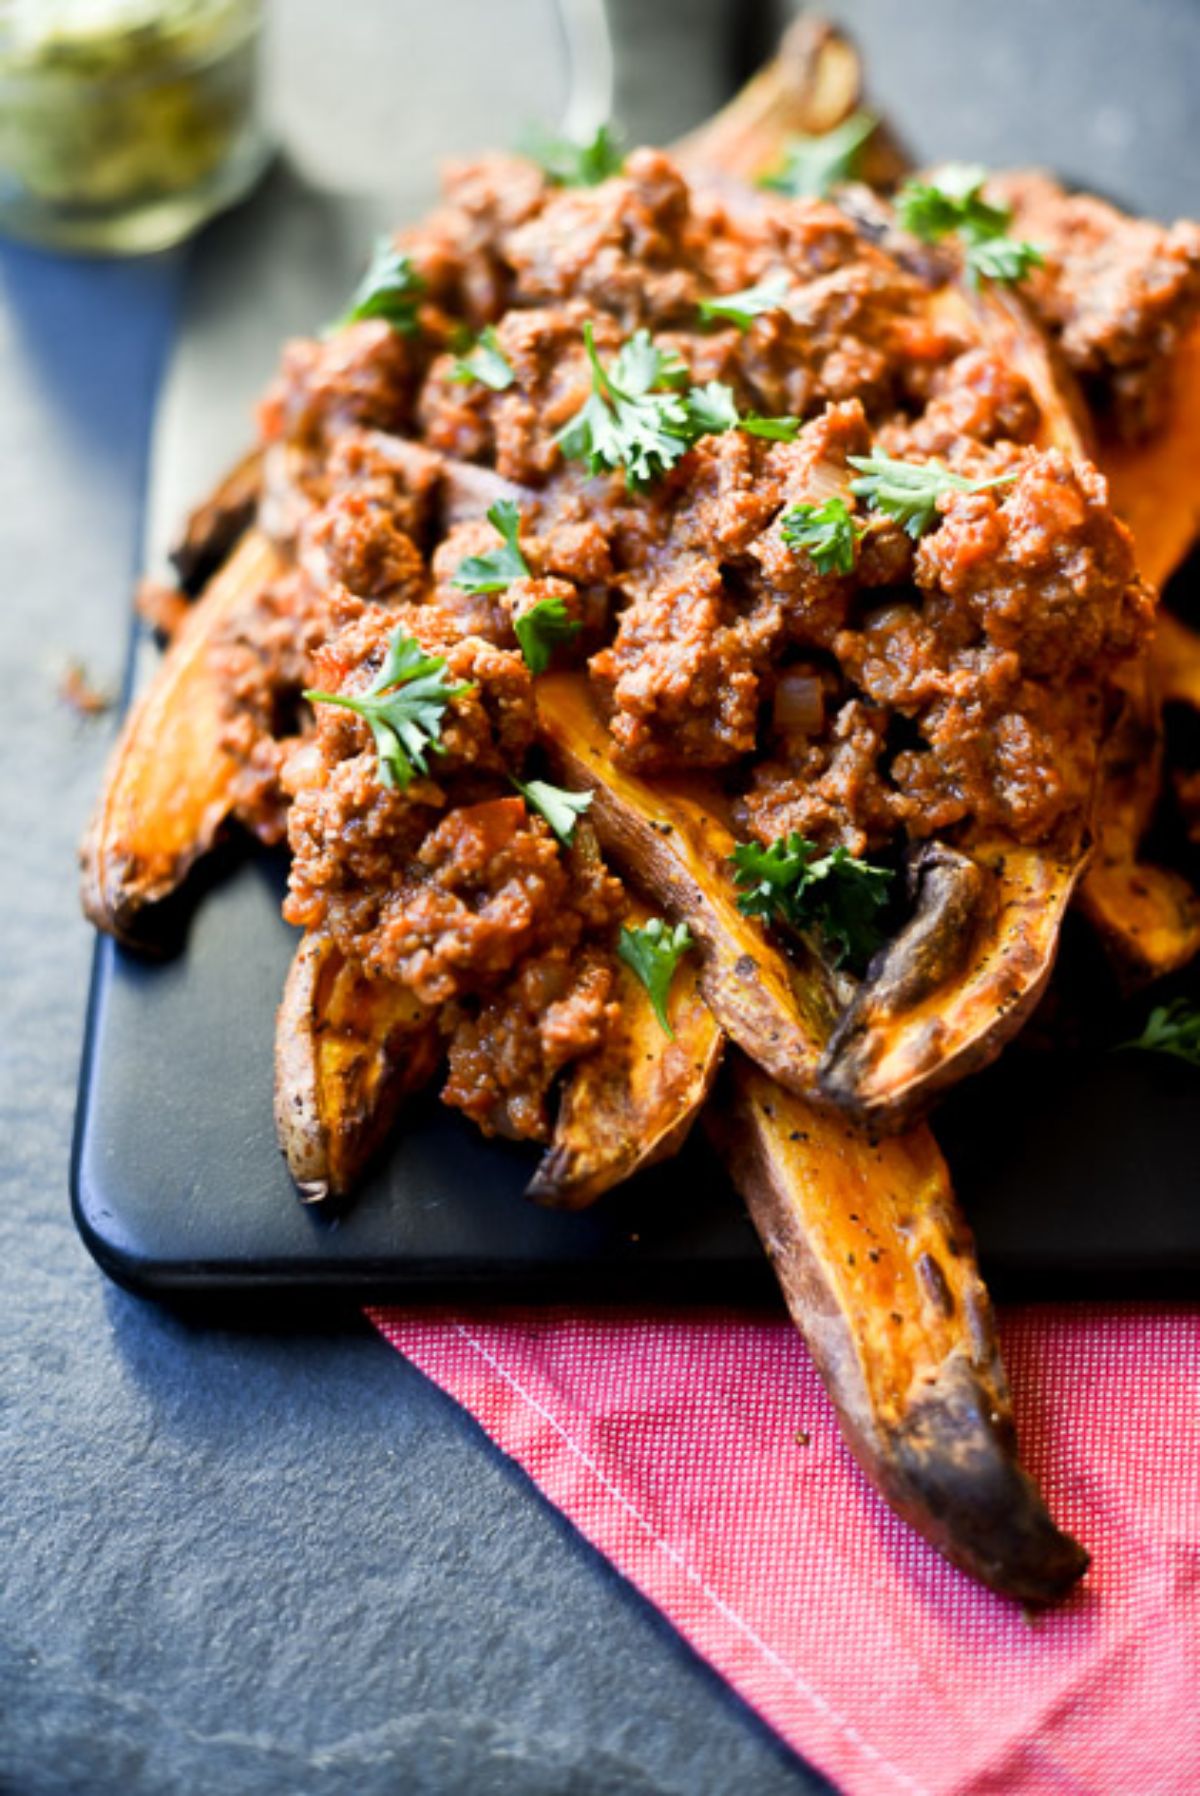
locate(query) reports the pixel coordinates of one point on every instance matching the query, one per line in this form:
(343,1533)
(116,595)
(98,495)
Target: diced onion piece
(799,703)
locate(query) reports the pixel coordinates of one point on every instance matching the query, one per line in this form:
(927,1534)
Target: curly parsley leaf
(499,567)
(390,289)
(566,163)
(486,363)
(540,629)
(404,706)
(954,205)
(909,491)
(1171,1029)
(561,809)
(652,953)
(744,307)
(827,533)
(835,894)
(813,165)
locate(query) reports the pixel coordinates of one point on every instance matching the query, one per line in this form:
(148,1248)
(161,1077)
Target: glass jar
(125,123)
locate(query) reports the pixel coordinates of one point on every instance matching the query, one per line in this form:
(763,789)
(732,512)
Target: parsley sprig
(776,430)
(813,165)
(954,205)
(652,953)
(540,629)
(1172,1029)
(827,533)
(744,307)
(404,705)
(566,163)
(561,809)
(909,491)
(486,363)
(390,289)
(642,416)
(635,417)
(835,894)
(499,567)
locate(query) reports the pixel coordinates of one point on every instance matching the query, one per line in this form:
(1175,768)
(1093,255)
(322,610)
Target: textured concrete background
(258,1563)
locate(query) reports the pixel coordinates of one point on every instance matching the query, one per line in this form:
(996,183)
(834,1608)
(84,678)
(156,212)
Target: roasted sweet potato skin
(670,841)
(214,528)
(878,1270)
(1155,484)
(908,1033)
(632,1103)
(349,1050)
(1147,917)
(167,791)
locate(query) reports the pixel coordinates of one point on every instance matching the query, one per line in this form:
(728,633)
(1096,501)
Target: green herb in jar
(110,105)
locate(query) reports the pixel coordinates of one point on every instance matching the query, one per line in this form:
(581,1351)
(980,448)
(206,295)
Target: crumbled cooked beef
(454,887)
(261,665)
(504,1059)
(365,374)
(960,684)
(1024,598)
(1117,292)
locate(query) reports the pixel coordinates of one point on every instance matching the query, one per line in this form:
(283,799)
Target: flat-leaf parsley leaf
(827,533)
(486,363)
(404,705)
(642,416)
(652,953)
(836,894)
(561,809)
(744,307)
(908,491)
(635,418)
(390,289)
(1172,1029)
(499,567)
(566,163)
(812,165)
(541,628)
(954,204)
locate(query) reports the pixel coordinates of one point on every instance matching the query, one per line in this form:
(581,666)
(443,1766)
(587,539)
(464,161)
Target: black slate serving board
(1077,1169)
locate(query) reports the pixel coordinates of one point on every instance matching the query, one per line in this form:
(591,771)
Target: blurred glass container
(124,124)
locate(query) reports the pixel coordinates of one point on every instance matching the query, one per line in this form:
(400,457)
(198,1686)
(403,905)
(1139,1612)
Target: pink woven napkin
(702,1457)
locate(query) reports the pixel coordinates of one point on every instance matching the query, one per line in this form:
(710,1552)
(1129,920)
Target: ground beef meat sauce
(954,686)
(453,886)
(1117,293)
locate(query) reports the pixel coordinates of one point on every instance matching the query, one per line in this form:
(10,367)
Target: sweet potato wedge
(943,998)
(214,528)
(1176,662)
(878,1270)
(812,84)
(167,790)
(671,843)
(633,1103)
(1147,917)
(1155,485)
(349,1050)
(946,994)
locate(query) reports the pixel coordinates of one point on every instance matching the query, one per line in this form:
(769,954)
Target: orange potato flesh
(167,791)
(632,1103)
(349,1049)
(878,1270)
(677,850)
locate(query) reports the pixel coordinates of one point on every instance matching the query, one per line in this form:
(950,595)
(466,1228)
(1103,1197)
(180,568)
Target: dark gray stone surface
(256,1562)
